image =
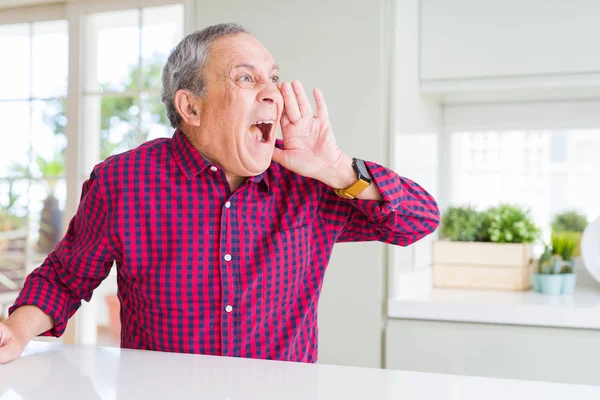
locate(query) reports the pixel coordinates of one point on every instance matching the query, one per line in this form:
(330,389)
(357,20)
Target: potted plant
(51,218)
(570,221)
(492,249)
(555,274)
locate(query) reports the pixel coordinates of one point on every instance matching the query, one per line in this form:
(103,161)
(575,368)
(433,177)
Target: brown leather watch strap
(353,190)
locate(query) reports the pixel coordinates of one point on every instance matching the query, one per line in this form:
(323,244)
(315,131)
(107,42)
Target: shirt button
(227,257)
(213,168)
(229,308)
(227,205)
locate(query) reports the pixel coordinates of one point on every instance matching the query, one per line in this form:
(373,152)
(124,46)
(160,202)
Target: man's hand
(25,323)
(12,342)
(309,145)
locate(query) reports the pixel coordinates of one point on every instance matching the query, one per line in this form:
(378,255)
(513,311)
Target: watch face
(361,170)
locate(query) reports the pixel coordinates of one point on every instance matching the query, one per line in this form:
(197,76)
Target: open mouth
(261,130)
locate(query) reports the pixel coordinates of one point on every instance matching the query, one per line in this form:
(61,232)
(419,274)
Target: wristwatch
(363,181)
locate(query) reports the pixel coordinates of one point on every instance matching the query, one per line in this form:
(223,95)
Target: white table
(55,371)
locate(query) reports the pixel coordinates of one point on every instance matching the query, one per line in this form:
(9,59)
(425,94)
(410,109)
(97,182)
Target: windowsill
(581,310)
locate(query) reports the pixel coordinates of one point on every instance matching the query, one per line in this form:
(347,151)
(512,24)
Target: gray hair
(183,69)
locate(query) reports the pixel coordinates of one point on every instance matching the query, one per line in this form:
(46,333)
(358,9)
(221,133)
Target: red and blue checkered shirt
(203,270)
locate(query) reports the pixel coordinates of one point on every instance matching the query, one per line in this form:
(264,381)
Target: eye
(245,78)
(275,79)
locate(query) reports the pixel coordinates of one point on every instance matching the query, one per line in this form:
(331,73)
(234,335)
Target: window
(124,55)
(548,171)
(32,154)
(119,52)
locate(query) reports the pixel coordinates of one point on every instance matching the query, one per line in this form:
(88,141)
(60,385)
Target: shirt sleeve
(406,213)
(78,264)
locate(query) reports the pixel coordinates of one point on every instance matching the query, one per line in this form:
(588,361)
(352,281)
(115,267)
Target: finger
(322,111)
(284,121)
(280,157)
(303,103)
(289,100)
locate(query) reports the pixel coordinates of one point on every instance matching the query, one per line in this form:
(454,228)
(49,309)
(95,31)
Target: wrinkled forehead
(232,51)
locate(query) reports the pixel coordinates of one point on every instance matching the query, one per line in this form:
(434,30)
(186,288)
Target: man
(220,235)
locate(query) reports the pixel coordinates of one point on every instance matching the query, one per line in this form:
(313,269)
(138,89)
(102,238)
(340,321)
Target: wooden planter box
(500,266)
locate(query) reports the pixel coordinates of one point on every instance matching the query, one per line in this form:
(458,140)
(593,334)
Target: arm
(80,262)
(22,326)
(28,322)
(392,210)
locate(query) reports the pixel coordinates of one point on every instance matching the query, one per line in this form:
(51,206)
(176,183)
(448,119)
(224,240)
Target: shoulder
(130,163)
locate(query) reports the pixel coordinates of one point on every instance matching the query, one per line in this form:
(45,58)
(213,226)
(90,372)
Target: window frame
(81,155)
(533,115)
(79,159)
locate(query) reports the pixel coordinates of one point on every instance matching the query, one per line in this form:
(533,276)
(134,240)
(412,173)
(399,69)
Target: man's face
(240,113)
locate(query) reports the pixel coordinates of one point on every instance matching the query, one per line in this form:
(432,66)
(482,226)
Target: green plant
(52,170)
(12,216)
(461,224)
(508,223)
(51,216)
(545,261)
(126,111)
(564,244)
(569,221)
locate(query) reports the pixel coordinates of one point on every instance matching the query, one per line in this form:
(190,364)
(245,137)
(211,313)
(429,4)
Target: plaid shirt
(204,270)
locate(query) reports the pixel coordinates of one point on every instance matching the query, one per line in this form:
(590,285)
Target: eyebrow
(252,67)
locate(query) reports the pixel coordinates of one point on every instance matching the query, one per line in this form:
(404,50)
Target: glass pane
(154,122)
(13,203)
(14,151)
(548,172)
(50,59)
(15,81)
(13,233)
(162,29)
(114,121)
(48,139)
(112,48)
(46,207)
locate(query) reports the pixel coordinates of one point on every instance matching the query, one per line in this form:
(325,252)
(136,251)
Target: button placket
(230,318)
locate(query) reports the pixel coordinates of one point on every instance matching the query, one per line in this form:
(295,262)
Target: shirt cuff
(49,298)
(390,188)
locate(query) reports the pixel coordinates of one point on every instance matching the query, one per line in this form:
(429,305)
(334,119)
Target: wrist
(28,321)
(341,174)
(18,331)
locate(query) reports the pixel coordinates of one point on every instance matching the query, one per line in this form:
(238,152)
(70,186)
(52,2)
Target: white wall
(417,127)
(338,46)
(531,115)
(475,39)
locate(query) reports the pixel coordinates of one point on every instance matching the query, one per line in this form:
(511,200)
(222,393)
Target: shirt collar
(187,157)
(192,163)
(264,178)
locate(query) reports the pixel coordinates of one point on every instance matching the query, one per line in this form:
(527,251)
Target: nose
(269,94)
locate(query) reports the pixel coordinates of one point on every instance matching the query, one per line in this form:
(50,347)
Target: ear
(188,107)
